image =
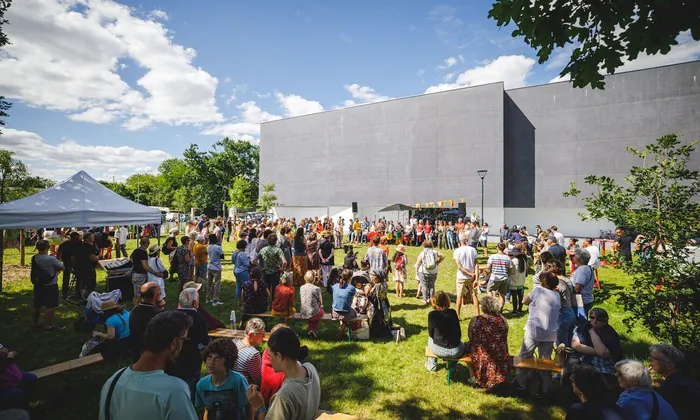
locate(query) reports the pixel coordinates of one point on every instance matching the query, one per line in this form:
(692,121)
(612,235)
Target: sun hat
(153,250)
(174,230)
(106,306)
(192,285)
(401,248)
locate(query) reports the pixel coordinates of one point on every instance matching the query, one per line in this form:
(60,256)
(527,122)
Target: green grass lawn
(379,380)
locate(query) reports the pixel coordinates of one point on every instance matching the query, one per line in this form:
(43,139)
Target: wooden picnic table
(228,333)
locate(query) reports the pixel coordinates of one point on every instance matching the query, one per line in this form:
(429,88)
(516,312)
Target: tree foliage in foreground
(658,201)
(4,105)
(606,32)
(268,198)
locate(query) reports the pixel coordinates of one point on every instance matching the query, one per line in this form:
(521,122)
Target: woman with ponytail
(300,394)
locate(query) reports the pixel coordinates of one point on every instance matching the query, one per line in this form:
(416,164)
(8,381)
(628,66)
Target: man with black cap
(151,305)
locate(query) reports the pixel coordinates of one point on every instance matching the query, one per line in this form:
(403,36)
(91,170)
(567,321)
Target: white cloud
(295,105)
(136,123)
(364,93)
(448,62)
(95,115)
(65,56)
(64,159)
(227,79)
(449,76)
(262,95)
(244,127)
(159,14)
(420,72)
(512,70)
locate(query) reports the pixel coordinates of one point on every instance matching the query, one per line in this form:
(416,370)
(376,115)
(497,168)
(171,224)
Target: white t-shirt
(560,238)
(157,265)
(594,262)
(466,256)
(542,322)
(122,235)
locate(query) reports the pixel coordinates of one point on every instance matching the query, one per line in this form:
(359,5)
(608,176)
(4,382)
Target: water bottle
(233,321)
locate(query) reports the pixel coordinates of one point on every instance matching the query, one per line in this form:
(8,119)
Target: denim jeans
(241,278)
(567,318)
(544,351)
(427,282)
(452,353)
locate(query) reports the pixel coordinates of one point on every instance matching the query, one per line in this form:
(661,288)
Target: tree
(267,199)
(243,194)
(605,32)
(4,105)
(13,176)
(660,203)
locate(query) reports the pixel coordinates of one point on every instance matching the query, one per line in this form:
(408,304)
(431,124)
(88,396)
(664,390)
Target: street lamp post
(482,175)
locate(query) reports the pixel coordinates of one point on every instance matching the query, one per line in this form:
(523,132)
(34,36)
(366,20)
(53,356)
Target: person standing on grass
(139,276)
(121,235)
(222,393)
(377,258)
(583,278)
(143,390)
(44,277)
(272,259)
(427,269)
(326,254)
(241,265)
(66,253)
(85,259)
(516,285)
(215,253)
(559,236)
(400,263)
(467,269)
(499,265)
(300,394)
(200,259)
(557,251)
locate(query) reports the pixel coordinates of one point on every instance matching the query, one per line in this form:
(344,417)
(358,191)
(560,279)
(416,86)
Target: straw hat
(153,250)
(106,306)
(192,285)
(401,248)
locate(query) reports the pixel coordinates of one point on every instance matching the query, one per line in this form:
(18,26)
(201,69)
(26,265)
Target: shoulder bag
(108,400)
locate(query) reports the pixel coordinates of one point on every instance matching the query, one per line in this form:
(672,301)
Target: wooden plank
(325,415)
(297,316)
(536,364)
(228,333)
(430,353)
(69,365)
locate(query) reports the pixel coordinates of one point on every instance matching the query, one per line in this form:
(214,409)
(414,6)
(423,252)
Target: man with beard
(66,253)
(143,390)
(151,305)
(85,260)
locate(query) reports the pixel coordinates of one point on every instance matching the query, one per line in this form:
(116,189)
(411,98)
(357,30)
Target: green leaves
(658,202)
(606,32)
(267,199)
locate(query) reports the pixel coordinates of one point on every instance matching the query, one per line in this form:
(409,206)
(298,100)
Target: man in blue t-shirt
(222,393)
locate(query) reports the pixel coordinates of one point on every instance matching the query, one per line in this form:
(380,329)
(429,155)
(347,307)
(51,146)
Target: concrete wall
(413,150)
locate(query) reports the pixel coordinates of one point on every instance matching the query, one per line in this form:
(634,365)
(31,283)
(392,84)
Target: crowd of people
(275,260)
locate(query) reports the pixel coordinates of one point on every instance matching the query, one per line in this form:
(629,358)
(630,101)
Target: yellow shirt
(200,253)
(357,227)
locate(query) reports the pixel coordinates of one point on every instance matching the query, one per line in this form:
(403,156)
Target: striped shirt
(500,267)
(249,362)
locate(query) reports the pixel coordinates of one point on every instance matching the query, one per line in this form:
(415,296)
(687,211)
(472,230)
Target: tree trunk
(21,248)
(2,255)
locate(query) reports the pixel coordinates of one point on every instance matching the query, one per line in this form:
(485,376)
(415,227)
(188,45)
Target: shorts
(200,271)
(400,276)
(344,316)
(46,296)
(138,280)
(87,281)
(497,286)
(465,288)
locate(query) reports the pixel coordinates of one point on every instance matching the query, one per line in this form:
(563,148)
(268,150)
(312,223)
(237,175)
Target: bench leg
(449,372)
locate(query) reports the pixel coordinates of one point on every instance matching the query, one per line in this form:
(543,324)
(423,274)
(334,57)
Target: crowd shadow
(407,306)
(411,329)
(412,408)
(606,292)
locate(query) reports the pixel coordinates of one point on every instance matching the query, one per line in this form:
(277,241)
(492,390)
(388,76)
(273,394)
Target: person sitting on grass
(598,344)
(311,308)
(638,399)
(116,341)
(44,277)
(283,301)
(222,393)
(488,345)
(444,331)
(595,395)
(300,394)
(143,390)
(271,381)
(677,388)
(343,293)
(249,362)
(254,294)
(16,387)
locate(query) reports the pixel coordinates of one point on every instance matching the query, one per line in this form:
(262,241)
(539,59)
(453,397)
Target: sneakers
(216,303)
(312,334)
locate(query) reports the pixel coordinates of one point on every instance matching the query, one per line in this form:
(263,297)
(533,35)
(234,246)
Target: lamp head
(482,173)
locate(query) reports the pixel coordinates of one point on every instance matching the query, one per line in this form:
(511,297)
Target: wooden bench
(69,365)
(327,415)
(536,364)
(464,359)
(228,333)
(297,316)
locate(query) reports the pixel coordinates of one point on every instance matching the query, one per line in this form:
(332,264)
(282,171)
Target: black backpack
(166,250)
(39,276)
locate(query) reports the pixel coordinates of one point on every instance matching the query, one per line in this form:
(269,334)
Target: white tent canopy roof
(79,201)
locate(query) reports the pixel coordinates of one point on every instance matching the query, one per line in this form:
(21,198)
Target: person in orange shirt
(200,259)
(283,302)
(383,245)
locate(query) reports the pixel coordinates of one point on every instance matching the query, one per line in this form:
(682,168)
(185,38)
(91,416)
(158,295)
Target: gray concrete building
(533,141)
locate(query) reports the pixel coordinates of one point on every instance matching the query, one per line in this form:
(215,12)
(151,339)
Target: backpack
(429,260)
(39,276)
(166,250)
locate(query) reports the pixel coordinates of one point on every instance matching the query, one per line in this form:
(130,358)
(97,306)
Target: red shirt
(284,298)
(271,380)
(428,229)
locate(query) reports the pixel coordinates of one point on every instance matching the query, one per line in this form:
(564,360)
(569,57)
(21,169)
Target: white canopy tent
(79,201)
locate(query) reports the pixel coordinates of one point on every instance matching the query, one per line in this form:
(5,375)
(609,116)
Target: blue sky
(116,87)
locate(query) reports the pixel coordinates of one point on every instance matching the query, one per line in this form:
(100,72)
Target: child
(222,393)
(200,259)
(399,260)
(283,302)
(517,279)
(215,253)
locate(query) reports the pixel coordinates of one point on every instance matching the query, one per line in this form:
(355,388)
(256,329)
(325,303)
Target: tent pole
(21,247)
(2,255)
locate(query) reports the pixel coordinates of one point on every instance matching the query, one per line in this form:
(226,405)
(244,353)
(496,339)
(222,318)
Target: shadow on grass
(408,306)
(411,329)
(413,408)
(606,292)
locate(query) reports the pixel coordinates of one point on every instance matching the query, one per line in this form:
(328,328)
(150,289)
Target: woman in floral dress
(488,345)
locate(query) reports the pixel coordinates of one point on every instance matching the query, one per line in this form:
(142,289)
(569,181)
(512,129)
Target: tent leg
(21,248)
